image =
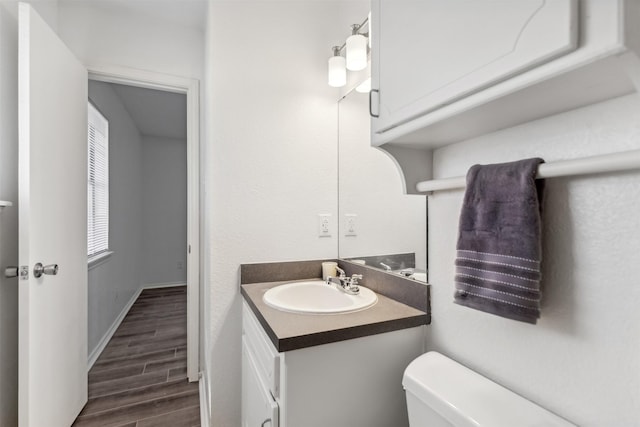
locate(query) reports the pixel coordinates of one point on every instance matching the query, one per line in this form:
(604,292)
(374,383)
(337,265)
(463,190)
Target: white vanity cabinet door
(266,357)
(259,408)
(430,53)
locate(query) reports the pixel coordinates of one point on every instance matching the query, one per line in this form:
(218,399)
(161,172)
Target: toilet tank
(443,393)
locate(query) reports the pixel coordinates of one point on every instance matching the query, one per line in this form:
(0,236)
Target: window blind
(98,188)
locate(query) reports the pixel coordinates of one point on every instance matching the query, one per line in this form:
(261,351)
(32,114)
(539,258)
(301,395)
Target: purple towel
(499,250)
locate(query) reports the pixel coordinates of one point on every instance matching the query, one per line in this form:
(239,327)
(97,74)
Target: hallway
(140,378)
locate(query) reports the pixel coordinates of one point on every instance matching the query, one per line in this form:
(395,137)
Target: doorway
(134,85)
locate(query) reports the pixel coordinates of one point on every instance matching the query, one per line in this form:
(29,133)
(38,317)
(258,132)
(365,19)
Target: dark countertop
(291,331)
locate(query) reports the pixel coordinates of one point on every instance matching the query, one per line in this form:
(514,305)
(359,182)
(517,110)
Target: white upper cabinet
(434,52)
(447,70)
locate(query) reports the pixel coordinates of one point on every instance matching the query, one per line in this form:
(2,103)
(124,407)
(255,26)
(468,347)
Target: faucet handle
(341,272)
(355,278)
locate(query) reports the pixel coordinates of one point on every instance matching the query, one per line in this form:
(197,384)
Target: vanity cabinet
(448,70)
(352,383)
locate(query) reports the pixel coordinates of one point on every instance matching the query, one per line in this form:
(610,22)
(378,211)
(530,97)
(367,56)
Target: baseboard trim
(163,285)
(204,399)
(112,330)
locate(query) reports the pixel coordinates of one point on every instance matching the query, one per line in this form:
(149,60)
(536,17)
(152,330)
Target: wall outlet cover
(350,224)
(324,225)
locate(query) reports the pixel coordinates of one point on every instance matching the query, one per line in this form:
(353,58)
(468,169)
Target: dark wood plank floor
(140,379)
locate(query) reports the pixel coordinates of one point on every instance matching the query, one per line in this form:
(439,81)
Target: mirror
(379,225)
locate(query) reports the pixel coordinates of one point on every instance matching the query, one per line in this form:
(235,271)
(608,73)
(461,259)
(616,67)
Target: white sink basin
(316,297)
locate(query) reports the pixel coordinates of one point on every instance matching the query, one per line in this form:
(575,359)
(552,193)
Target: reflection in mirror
(379,225)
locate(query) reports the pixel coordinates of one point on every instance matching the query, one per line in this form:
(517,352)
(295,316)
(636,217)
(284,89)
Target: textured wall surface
(271,160)
(582,359)
(135,40)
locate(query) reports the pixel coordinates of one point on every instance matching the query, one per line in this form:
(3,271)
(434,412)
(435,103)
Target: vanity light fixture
(356,48)
(337,69)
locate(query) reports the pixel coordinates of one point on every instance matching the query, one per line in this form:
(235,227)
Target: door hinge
(24,272)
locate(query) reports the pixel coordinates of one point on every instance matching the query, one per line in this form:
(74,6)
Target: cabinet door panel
(258,405)
(433,52)
(266,357)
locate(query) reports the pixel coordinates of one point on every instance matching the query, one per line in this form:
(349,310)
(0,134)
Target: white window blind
(98,200)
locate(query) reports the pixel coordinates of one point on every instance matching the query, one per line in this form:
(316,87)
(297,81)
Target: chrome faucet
(386,267)
(346,284)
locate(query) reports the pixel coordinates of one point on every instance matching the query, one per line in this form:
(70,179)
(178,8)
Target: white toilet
(443,393)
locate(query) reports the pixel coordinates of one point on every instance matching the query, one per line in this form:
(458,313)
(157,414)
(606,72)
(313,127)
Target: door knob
(39,270)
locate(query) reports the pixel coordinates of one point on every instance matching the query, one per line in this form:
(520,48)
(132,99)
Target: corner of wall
(206,97)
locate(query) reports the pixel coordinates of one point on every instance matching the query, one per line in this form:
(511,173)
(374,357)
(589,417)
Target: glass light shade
(365,86)
(337,71)
(356,52)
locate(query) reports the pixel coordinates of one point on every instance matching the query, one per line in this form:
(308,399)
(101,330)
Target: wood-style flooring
(140,379)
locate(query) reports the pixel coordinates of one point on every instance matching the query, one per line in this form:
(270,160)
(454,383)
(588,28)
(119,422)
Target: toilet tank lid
(465,398)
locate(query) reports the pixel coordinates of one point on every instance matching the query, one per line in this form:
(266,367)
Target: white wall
(582,359)
(101,36)
(371,186)
(271,158)
(164,211)
(113,283)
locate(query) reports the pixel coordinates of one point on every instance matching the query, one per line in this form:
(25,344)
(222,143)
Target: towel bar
(626,160)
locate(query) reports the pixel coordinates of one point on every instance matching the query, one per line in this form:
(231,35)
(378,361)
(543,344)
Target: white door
(53,224)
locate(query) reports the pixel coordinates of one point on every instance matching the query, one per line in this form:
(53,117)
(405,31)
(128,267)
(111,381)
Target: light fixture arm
(355,28)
